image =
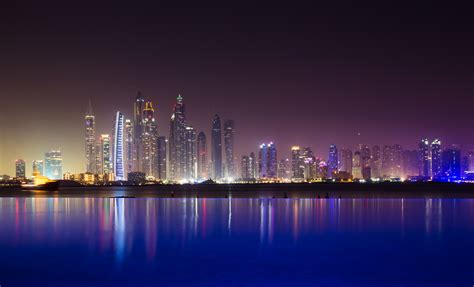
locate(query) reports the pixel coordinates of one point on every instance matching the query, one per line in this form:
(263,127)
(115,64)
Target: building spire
(89,108)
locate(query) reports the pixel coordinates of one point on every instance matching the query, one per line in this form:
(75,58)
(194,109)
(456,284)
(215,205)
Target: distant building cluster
(136,153)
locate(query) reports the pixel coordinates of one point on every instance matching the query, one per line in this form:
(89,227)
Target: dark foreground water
(236,242)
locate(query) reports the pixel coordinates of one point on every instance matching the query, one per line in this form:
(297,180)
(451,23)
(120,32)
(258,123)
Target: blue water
(236,242)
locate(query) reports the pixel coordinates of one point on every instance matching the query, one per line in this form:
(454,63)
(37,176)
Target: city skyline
(312,74)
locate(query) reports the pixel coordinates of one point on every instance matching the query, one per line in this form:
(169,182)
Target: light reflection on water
(274,241)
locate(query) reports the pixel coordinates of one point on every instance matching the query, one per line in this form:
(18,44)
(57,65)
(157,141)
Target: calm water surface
(236,242)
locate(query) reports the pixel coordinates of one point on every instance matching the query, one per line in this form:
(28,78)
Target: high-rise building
(190,154)
(177,141)
(105,152)
(267,161)
(53,164)
(310,169)
(392,161)
(137,156)
(128,145)
(436,171)
(202,162)
(284,169)
(451,163)
(253,165)
(229,130)
(118,164)
(346,161)
(161,157)
(376,162)
(357,165)
(216,138)
(38,167)
(246,168)
(91,165)
(470,155)
(20,169)
(149,140)
(333,161)
(424,155)
(297,164)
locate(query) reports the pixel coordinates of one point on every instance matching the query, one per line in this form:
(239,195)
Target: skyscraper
(128,145)
(357,165)
(105,152)
(118,163)
(436,171)
(424,158)
(376,162)
(332,161)
(138,107)
(202,163)
(216,138)
(284,169)
(346,161)
(161,157)
(190,153)
(53,164)
(451,163)
(297,164)
(177,153)
(38,167)
(20,169)
(245,168)
(253,165)
(149,140)
(90,144)
(229,131)
(267,161)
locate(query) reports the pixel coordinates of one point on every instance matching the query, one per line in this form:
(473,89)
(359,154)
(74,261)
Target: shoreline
(274,190)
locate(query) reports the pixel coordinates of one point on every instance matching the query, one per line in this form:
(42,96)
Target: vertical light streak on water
(196,216)
(229,220)
(119,229)
(428,215)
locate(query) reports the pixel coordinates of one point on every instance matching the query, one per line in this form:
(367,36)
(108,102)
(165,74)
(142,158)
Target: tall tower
(161,157)
(105,155)
(91,165)
(202,170)
(216,138)
(436,171)
(138,107)
(229,148)
(128,145)
(118,163)
(332,161)
(297,163)
(267,161)
(190,153)
(177,156)
(20,169)
(149,141)
(424,154)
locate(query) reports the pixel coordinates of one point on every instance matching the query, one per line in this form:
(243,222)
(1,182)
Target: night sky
(296,73)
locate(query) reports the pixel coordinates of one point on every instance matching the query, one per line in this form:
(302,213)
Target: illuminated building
(392,161)
(190,154)
(20,169)
(177,154)
(202,163)
(229,131)
(471,160)
(365,157)
(105,153)
(451,163)
(424,156)
(138,107)
(376,162)
(297,164)
(346,161)
(245,168)
(436,171)
(53,164)
(267,161)
(284,169)
(310,170)
(118,164)
(332,161)
(161,157)
(357,165)
(216,145)
(128,146)
(253,165)
(38,167)
(91,165)
(149,141)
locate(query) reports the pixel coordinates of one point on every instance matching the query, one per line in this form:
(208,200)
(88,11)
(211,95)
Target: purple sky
(296,73)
